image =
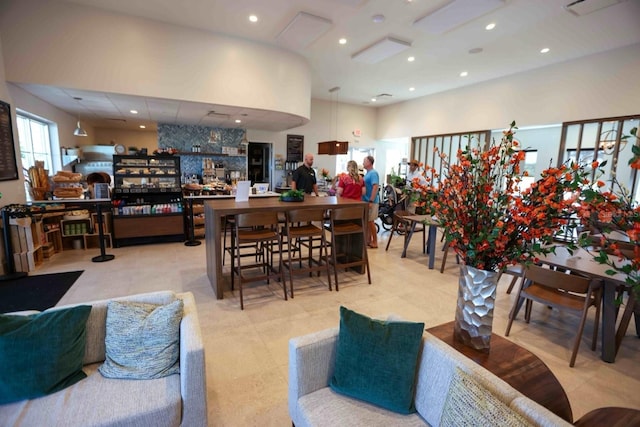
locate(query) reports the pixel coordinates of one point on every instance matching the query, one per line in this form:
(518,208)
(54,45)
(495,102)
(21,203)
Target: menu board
(295,148)
(8,166)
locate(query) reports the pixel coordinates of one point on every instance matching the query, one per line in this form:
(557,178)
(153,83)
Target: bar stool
(348,222)
(260,228)
(300,226)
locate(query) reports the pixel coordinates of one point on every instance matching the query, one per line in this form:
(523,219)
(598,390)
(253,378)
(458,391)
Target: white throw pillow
(142,340)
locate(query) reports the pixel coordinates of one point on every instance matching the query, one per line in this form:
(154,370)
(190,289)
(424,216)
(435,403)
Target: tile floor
(246,351)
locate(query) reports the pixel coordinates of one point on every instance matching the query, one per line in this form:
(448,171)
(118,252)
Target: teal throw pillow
(468,403)
(376,360)
(142,340)
(41,353)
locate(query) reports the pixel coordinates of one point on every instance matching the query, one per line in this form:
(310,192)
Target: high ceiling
(442,46)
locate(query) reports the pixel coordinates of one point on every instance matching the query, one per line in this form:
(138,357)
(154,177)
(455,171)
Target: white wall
(75,46)
(321,127)
(129,138)
(601,85)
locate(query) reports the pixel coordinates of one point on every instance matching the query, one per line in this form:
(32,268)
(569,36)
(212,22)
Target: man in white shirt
(414,172)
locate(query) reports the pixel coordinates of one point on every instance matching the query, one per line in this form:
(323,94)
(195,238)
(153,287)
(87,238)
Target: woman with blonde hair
(351,184)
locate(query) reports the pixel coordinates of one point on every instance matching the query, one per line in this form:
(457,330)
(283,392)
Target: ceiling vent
(454,14)
(215,115)
(117,120)
(585,7)
(381,50)
(303,30)
(381,95)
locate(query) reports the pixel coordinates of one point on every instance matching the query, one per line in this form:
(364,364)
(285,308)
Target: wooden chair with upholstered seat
(562,291)
(259,228)
(300,227)
(347,225)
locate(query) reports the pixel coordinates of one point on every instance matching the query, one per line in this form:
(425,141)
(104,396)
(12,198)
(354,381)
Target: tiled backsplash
(185,137)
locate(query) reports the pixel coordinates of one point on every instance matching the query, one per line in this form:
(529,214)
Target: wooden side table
(610,417)
(517,366)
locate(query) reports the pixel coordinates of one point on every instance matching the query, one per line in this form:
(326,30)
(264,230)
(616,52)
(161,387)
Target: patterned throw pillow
(41,353)
(142,340)
(376,360)
(470,404)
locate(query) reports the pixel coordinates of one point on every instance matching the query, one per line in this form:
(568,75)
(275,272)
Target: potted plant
(490,223)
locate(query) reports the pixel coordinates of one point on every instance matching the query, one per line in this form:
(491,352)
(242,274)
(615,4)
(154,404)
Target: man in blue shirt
(371,184)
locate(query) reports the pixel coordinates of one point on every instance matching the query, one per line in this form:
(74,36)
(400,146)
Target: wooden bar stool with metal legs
(300,226)
(344,224)
(259,228)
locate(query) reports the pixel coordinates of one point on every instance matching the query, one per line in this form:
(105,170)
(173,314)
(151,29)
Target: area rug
(37,292)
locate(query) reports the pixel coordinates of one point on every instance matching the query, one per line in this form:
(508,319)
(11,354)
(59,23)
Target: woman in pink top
(351,184)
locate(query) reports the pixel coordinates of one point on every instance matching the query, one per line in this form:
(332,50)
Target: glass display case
(147,199)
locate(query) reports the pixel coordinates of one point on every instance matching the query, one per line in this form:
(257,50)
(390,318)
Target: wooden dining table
(216,210)
(581,261)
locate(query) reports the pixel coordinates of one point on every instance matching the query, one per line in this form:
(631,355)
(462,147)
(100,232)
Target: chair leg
(444,256)
(513,282)
(290,268)
(323,241)
(576,343)
(514,313)
(335,260)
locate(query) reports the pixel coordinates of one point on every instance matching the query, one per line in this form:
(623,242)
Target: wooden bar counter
(216,210)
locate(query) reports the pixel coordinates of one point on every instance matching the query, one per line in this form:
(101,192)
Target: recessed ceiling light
(545,50)
(490,27)
(238,121)
(378,19)
(133,111)
(143,127)
(373,100)
(411,89)
(253,18)
(464,74)
(411,58)
(342,41)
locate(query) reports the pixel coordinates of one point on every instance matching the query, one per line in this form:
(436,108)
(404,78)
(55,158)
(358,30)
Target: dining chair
(517,271)
(568,292)
(401,226)
(301,226)
(259,228)
(345,225)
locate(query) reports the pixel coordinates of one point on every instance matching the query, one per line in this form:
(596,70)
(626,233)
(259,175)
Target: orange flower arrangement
(613,209)
(488,222)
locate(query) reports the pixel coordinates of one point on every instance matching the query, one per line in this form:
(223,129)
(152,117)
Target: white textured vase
(474,311)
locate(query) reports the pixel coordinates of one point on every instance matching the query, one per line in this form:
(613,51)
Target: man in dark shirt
(304,178)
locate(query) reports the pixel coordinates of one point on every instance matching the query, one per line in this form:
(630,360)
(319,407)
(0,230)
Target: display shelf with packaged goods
(147,199)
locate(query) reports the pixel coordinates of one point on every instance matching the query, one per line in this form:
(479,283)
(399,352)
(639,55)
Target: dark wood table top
(610,417)
(517,366)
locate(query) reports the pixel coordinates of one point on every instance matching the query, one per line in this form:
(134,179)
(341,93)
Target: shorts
(372,211)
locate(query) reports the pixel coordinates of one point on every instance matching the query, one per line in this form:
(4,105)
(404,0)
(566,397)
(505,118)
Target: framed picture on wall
(8,164)
(295,148)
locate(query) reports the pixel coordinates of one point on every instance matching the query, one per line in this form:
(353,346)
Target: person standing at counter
(304,178)
(371,184)
(351,184)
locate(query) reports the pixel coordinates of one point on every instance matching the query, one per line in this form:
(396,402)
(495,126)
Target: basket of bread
(39,180)
(67,185)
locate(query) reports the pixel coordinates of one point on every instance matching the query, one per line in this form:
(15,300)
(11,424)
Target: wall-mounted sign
(295,148)
(8,165)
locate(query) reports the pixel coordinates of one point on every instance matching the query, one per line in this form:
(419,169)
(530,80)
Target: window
(529,166)
(35,143)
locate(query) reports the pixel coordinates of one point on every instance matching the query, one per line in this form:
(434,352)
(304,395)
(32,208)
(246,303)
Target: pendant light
(79,130)
(334,147)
